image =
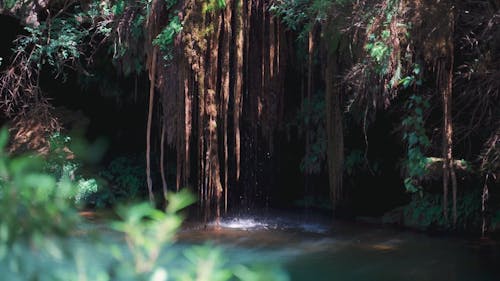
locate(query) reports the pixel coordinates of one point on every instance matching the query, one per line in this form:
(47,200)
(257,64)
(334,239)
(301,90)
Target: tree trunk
(162,159)
(445,79)
(238,82)
(335,136)
(225,76)
(152,79)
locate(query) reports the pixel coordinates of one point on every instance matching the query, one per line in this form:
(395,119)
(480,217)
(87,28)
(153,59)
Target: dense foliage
(391,62)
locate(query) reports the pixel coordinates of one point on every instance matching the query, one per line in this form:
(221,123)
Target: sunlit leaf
(179,200)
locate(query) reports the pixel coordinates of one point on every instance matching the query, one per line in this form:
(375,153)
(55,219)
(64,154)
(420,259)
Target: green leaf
(406,81)
(179,200)
(221,4)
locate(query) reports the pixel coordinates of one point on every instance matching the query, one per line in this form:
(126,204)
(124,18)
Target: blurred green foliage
(24,191)
(34,205)
(42,236)
(148,230)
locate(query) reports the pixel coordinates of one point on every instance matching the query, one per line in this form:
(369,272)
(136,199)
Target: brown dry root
(490,156)
(22,101)
(219,56)
(370,88)
(19,85)
(32,129)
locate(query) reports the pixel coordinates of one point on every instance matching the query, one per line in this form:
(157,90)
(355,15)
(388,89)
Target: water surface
(319,250)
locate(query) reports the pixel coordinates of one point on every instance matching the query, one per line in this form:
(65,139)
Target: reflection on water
(316,250)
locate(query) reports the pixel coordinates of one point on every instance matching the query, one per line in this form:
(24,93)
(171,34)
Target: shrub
(34,206)
(63,164)
(426,211)
(125,179)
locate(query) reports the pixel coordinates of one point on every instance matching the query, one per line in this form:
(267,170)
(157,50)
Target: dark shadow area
(10,29)
(99,112)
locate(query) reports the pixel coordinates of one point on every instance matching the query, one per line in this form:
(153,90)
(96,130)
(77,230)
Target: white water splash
(267,224)
(241,223)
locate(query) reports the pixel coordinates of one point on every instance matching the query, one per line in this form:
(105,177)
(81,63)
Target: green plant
(86,189)
(311,119)
(387,55)
(59,161)
(303,15)
(203,261)
(33,204)
(165,39)
(382,55)
(125,179)
(426,210)
(171,3)
(148,230)
(149,233)
(417,140)
(292,13)
(9,4)
(63,164)
(124,29)
(213,5)
(57,42)
(379,51)
(393,65)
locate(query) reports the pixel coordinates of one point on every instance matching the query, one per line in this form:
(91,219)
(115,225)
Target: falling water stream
(320,250)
